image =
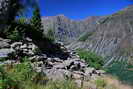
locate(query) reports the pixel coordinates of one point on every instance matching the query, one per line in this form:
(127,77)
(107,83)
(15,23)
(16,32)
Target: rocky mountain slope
(112,35)
(67,30)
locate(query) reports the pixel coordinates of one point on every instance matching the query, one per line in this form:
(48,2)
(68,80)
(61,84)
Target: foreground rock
(73,68)
(4,47)
(4,43)
(53,67)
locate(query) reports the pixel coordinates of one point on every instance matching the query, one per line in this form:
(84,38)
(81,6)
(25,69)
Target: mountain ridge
(67,30)
(112,36)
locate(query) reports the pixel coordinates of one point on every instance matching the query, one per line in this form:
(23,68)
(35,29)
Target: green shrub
(91,58)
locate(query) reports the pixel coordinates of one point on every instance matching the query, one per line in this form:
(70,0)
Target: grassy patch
(68,84)
(91,58)
(85,36)
(100,83)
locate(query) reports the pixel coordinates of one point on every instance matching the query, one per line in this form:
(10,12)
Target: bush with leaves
(91,58)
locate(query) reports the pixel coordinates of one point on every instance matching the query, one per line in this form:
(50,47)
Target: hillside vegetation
(91,58)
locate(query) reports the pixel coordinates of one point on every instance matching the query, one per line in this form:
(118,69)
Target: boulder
(41,57)
(16,45)
(100,72)
(28,39)
(75,64)
(57,60)
(60,66)
(57,74)
(5,52)
(4,43)
(77,75)
(89,70)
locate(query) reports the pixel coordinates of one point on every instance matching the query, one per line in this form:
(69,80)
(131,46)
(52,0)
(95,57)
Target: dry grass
(113,81)
(53,85)
(110,82)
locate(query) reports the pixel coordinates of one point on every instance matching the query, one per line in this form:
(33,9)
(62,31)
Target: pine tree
(51,35)
(36,20)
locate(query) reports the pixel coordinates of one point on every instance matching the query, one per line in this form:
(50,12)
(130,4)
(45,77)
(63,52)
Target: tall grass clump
(15,76)
(67,84)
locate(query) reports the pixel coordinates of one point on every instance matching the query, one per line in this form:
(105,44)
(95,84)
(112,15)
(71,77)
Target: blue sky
(80,9)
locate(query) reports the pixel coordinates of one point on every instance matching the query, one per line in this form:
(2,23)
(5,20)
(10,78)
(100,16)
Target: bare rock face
(67,30)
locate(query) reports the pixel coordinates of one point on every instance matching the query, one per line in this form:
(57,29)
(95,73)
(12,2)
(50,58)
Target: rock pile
(72,68)
(56,68)
(27,49)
